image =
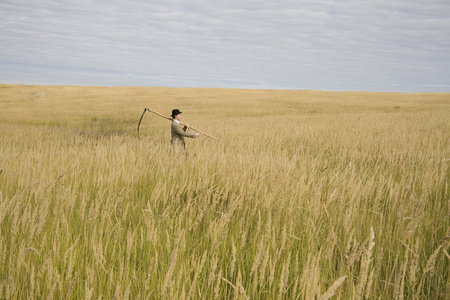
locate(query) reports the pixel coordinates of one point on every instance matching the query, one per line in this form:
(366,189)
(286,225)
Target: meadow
(310,195)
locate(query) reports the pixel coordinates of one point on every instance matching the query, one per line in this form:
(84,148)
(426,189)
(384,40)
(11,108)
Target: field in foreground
(310,194)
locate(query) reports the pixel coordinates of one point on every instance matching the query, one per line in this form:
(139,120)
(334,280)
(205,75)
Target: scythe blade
(145,109)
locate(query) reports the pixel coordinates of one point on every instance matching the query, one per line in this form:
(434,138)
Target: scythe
(170,119)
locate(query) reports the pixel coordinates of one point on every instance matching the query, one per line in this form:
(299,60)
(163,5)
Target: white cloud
(383,45)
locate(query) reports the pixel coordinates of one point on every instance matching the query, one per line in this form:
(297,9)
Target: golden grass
(310,195)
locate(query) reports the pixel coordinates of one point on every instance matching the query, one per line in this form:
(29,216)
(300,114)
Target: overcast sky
(379,45)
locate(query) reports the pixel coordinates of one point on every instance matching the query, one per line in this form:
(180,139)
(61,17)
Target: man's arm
(182,131)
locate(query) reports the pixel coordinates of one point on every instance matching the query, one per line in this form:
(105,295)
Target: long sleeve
(179,130)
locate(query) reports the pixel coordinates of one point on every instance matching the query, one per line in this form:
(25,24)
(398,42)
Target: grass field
(311,195)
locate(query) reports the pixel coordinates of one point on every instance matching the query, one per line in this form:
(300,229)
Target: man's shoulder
(176,126)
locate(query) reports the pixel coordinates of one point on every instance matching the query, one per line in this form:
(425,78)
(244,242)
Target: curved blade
(141,120)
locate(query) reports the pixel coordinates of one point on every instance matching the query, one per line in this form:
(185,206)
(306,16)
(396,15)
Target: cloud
(258,44)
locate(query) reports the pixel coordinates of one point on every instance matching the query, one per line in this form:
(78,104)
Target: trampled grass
(311,195)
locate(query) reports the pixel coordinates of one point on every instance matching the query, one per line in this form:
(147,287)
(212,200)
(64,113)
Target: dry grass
(311,194)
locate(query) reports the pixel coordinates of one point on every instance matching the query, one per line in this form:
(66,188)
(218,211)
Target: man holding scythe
(179,131)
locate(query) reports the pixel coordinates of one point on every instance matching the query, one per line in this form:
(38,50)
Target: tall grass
(312,195)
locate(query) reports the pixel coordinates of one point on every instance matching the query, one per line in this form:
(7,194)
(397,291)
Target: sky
(347,45)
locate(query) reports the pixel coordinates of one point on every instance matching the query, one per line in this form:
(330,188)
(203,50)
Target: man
(179,131)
